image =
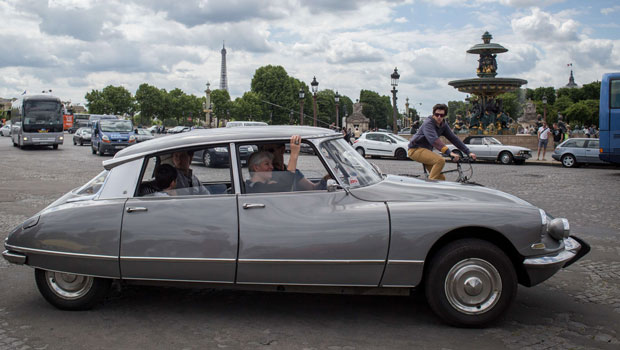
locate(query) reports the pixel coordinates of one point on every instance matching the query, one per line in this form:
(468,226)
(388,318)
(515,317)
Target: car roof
(198,137)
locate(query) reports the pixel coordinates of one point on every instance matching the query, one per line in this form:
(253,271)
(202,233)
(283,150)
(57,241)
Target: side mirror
(332,185)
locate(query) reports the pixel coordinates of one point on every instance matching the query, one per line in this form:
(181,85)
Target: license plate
(119,147)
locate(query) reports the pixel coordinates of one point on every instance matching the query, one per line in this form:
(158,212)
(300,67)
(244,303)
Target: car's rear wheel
(206,159)
(470,283)
(505,157)
(361,151)
(69,291)
(569,161)
(400,154)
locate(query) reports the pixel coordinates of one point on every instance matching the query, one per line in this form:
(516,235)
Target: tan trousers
(432,161)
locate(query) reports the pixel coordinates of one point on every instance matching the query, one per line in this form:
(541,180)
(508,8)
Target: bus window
(614,96)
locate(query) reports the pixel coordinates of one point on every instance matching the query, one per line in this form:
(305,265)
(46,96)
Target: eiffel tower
(223,77)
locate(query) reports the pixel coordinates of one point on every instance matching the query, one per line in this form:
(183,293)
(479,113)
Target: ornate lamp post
(208,103)
(544,101)
(302,94)
(337,99)
(395,76)
(315,88)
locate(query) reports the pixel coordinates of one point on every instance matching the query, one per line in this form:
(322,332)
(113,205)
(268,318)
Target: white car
(381,144)
(489,148)
(5,130)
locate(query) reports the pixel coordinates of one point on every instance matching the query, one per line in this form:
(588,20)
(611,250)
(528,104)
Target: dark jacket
(429,136)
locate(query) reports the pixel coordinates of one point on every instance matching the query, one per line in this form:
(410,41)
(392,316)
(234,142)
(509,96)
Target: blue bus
(609,118)
(37,121)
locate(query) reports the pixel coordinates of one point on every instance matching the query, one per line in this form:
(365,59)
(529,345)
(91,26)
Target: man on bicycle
(429,136)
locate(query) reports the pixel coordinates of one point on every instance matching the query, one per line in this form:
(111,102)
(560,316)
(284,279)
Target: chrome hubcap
(473,286)
(67,285)
(568,161)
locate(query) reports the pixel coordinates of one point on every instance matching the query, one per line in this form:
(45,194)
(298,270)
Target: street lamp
(315,88)
(544,101)
(302,94)
(395,76)
(208,102)
(337,99)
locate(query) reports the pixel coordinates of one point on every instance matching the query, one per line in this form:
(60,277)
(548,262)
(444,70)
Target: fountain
(487,115)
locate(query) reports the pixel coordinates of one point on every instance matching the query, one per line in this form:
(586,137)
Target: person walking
(543,139)
(558,135)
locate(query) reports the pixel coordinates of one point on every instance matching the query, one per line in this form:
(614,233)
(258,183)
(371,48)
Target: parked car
(178,129)
(489,148)
(381,144)
(244,123)
(5,130)
(577,151)
(153,129)
(219,156)
(398,233)
(82,136)
(143,135)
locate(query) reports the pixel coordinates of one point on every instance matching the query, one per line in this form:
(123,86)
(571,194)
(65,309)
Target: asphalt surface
(578,308)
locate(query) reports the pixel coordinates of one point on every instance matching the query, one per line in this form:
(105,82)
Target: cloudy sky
(74,46)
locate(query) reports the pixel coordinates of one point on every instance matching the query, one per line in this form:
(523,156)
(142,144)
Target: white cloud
(543,26)
(609,10)
(401,20)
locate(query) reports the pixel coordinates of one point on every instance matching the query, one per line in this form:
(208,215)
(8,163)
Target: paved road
(579,308)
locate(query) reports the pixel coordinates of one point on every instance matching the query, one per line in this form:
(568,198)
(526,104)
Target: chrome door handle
(252,205)
(132,209)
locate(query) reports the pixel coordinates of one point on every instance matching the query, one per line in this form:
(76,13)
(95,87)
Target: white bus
(37,120)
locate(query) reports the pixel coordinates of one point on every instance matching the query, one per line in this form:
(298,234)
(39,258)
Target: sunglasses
(439,115)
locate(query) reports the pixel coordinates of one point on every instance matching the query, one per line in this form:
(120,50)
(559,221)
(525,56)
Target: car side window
(580,143)
(475,141)
(311,174)
(372,137)
(592,143)
(197,171)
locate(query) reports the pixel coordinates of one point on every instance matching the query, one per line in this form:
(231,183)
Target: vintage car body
(468,245)
(489,148)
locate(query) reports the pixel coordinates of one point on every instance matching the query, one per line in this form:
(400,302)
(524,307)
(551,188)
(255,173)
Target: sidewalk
(548,161)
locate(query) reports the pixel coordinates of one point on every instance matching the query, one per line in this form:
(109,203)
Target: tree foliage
(377,108)
(111,100)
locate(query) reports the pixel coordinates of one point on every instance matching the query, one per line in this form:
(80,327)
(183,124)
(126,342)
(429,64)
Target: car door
(311,238)
(385,145)
(476,145)
(578,148)
(371,144)
(181,237)
(592,151)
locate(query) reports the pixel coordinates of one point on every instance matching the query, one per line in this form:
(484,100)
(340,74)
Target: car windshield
(399,138)
(493,141)
(350,167)
(116,125)
(93,186)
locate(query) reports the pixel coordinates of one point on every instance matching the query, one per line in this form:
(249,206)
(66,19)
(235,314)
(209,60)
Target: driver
(261,169)
(429,136)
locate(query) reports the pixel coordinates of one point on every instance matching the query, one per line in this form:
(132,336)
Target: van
(111,135)
(244,123)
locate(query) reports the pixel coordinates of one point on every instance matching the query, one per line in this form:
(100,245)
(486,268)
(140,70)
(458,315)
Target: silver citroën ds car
(467,246)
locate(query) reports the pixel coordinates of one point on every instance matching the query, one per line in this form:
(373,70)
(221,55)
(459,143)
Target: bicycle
(463,176)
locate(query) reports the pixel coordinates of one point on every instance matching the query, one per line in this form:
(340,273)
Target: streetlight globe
(302,94)
(544,99)
(315,85)
(395,76)
(337,97)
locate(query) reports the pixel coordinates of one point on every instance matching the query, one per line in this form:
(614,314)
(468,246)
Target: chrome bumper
(14,257)
(541,268)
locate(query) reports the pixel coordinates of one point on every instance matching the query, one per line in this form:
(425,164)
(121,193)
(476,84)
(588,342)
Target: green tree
(221,104)
(562,104)
(511,104)
(377,108)
(95,102)
(454,108)
(583,112)
(150,103)
(274,85)
(538,93)
(592,91)
(111,100)
(575,94)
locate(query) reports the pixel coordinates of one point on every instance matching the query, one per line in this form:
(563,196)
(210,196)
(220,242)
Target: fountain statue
(486,115)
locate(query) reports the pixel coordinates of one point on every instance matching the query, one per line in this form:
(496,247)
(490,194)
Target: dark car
(574,152)
(218,156)
(82,136)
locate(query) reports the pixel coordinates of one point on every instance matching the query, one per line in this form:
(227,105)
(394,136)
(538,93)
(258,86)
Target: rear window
(575,143)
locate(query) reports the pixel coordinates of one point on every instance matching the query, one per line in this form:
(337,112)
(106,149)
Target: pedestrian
(543,139)
(347,136)
(558,135)
(357,133)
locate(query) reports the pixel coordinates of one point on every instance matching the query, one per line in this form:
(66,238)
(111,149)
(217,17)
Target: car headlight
(105,138)
(61,138)
(559,228)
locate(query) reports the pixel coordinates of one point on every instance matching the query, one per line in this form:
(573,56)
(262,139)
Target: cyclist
(429,136)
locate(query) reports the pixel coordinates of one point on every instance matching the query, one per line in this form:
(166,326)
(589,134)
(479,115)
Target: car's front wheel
(401,154)
(569,161)
(206,159)
(69,291)
(470,283)
(505,158)
(360,150)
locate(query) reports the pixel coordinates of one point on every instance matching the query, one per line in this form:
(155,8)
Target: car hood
(395,188)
